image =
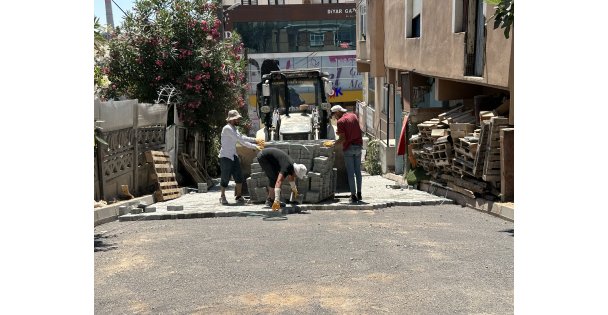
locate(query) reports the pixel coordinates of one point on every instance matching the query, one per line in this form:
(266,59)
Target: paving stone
(175,208)
(376,196)
(149,209)
(123,209)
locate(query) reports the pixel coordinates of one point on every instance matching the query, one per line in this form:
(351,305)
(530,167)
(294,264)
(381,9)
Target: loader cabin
(295,94)
(288,89)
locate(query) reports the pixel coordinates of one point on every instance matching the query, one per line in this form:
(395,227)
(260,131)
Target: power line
(119,8)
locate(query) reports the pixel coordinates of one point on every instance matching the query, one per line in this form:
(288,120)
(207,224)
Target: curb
(504,211)
(114,211)
(190,214)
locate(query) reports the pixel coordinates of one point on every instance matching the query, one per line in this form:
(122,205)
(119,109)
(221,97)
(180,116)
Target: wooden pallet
(467,182)
(480,155)
(164,175)
(466,148)
(192,167)
(491,166)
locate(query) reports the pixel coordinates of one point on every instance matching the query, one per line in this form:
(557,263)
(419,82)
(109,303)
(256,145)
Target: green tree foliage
(179,42)
(503,16)
(99,49)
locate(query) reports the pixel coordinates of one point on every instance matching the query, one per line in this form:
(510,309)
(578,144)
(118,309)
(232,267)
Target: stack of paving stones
(319,182)
(257,183)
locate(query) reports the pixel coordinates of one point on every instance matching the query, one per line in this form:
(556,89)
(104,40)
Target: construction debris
(458,155)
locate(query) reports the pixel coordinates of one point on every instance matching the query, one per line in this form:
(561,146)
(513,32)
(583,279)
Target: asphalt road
(403,260)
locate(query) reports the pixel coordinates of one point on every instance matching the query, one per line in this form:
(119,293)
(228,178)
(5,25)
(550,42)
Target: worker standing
(278,165)
(230,164)
(350,137)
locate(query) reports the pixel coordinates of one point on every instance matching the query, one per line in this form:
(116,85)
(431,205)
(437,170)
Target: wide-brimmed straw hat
(233,114)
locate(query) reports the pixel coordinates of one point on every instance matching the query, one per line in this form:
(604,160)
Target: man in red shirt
(352,143)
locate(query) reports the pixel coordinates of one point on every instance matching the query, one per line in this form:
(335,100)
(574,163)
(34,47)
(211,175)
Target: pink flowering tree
(179,42)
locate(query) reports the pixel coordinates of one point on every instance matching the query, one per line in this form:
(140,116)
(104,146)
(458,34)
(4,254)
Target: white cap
(337,108)
(300,170)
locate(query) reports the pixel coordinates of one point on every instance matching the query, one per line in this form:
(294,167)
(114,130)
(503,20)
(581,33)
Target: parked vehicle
(292,105)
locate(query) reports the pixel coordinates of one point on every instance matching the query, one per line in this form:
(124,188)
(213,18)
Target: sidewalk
(379,192)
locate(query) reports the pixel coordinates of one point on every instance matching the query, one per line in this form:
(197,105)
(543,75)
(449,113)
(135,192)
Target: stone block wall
(319,182)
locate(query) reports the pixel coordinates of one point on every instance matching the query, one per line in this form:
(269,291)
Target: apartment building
(298,34)
(419,58)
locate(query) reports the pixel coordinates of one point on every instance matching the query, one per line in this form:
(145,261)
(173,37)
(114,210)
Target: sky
(100,10)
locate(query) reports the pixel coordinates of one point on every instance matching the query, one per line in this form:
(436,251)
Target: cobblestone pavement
(378,192)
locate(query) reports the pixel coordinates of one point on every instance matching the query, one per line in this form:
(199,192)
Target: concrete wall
(439,52)
(372,48)
(375,26)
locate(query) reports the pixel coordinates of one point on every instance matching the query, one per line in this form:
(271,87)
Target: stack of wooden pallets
(465,150)
(491,166)
(442,153)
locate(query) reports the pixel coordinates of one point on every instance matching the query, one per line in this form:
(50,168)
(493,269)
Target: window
(294,36)
(249,2)
(413,16)
(363,20)
(457,17)
(316,39)
(270,2)
(371,91)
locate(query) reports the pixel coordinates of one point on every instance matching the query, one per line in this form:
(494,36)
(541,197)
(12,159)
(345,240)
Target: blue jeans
(230,168)
(352,159)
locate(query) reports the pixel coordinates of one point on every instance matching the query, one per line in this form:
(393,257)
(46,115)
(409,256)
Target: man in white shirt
(230,164)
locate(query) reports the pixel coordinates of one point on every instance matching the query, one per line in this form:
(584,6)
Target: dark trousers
(230,168)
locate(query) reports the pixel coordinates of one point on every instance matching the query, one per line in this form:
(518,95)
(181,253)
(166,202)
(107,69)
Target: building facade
(420,58)
(298,35)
